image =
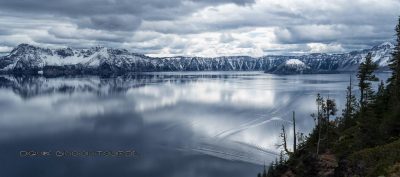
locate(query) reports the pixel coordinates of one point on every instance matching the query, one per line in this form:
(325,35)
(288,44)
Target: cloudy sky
(200,27)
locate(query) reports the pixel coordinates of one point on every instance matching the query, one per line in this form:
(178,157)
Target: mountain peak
(387,45)
(24,48)
(97,48)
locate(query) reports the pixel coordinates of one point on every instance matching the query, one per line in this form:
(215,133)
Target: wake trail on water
(249,125)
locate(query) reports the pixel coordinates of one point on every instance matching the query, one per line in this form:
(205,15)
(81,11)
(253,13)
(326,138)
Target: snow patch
(294,62)
(387,44)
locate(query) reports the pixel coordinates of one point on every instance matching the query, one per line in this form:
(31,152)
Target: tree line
(363,141)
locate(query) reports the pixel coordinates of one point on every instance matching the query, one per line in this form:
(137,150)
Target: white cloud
(322,48)
(5,49)
(202,28)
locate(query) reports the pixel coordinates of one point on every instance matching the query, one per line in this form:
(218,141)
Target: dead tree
(284,141)
(284,137)
(294,133)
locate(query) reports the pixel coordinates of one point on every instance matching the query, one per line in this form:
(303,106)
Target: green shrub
(375,161)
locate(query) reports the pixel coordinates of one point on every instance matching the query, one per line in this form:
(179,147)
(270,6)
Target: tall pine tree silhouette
(348,113)
(366,75)
(394,64)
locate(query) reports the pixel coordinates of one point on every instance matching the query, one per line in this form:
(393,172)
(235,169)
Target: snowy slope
(294,62)
(28,59)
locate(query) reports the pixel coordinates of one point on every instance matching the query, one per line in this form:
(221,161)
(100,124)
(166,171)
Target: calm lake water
(180,124)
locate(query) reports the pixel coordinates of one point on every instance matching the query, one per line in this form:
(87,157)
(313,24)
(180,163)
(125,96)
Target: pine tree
(330,108)
(325,109)
(319,118)
(271,170)
(394,64)
(350,109)
(367,119)
(365,76)
(381,100)
(391,123)
(264,174)
(381,104)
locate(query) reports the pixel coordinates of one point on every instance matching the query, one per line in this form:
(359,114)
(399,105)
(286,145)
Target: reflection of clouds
(236,118)
(225,109)
(114,131)
(220,120)
(155,96)
(264,98)
(52,113)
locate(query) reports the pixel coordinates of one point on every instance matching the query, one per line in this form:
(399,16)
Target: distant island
(32,60)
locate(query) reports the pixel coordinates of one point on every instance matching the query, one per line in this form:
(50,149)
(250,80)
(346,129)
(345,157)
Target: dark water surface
(181,124)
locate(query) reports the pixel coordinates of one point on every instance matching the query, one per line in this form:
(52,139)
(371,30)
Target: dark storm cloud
(76,8)
(112,22)
(347,34)
(97,14)
(110,16)
(71,33)
(151,25)
(239,2)
(5,31)
(87,7)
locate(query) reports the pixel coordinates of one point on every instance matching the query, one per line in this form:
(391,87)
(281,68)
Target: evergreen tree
(270,172)
(391,123)
(381,89)
(325,109)
(264,174)
(367,133)
(281,158)
(351,106)
(330,109)
(318,119)
(382,101)
(365,76)
(394,64)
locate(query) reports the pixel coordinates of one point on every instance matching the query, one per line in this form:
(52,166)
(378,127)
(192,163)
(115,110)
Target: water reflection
(181,124)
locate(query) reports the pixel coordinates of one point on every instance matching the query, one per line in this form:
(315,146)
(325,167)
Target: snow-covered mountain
(28,59)
(292,66)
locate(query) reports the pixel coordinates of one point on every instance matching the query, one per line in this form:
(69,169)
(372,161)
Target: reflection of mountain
(31,86)
(28,86)
(28,59)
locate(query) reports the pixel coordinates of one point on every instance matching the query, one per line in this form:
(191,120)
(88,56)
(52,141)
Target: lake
(177,124)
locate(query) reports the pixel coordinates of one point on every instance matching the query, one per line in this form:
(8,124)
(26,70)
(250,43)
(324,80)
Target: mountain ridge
(29,59)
